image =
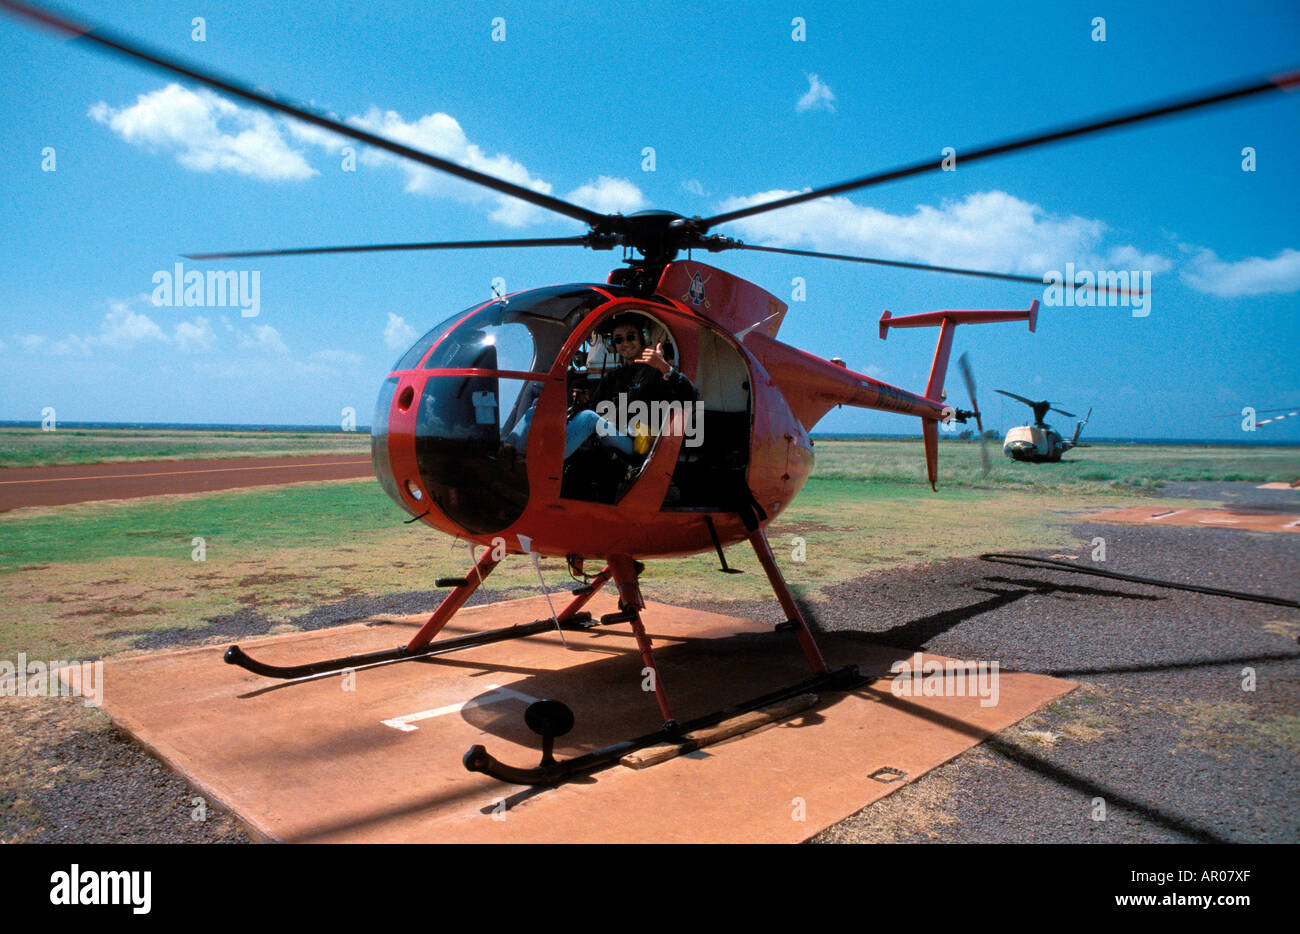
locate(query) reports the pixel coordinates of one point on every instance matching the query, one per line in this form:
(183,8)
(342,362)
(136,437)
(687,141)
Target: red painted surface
(790,392)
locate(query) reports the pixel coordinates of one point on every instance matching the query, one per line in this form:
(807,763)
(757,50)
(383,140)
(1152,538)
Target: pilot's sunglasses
(617,339)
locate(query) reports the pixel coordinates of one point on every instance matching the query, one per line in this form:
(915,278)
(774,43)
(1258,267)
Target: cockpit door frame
(546,464)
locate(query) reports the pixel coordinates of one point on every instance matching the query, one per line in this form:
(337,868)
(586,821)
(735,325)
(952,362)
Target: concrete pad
(375,756)
(1221,518)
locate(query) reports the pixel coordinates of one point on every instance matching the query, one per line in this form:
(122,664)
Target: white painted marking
(496,695)
(1165,515)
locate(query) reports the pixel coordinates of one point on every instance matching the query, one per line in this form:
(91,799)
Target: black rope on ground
(1030,561)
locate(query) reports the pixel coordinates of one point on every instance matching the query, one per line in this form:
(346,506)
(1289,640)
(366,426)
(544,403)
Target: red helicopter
(472,433)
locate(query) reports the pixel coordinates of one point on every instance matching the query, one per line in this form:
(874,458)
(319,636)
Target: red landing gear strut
(551,719)
(422,644)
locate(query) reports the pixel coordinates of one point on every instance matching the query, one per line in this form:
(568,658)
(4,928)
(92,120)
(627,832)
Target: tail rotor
(966,374)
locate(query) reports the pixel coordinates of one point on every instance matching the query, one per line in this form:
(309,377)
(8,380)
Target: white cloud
(74,345)
(609,196)
(333,361)
(398,335)
(264,339)
(1130,257)
(441,135)
(123,328)
(817,97)
(1253,276)
(989,230)
(207,133)
(693,186)
(194,336)
(318,136)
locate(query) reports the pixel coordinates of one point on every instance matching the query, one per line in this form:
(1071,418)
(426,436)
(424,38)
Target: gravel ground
(1234,495)
(1161,739)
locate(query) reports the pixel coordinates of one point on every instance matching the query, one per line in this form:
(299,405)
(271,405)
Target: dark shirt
(642,382)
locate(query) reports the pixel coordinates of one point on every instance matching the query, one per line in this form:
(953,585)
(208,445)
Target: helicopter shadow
(914,634)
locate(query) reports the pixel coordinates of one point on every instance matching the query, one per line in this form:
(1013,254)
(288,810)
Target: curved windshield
(522,334)
(411,359)
(472,429)
(465,446)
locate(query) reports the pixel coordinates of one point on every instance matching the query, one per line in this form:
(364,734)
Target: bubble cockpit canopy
(471,422)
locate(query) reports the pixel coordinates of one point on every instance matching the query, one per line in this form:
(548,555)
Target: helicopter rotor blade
(1282,81)
(1065,413)
(125,46)
(1028,402)
(384,247)
(925,267)
(964,364)
(1257,412)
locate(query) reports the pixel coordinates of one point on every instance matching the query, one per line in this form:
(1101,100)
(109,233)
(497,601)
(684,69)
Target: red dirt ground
(1223,518)
(60,486)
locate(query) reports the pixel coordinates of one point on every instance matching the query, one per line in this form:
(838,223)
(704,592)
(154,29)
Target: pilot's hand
(655,358)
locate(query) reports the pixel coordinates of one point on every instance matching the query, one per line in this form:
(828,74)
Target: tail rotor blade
(964,364)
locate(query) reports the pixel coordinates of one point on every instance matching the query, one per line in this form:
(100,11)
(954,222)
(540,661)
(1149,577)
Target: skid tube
(422,644)
(478,759)
(236,656)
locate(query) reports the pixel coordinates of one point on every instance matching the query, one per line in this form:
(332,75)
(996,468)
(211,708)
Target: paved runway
(61,486)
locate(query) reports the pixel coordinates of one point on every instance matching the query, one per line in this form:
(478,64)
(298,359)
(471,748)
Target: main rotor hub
(658,236)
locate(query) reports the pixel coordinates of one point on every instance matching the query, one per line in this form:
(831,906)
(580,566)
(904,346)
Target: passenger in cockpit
(644,374)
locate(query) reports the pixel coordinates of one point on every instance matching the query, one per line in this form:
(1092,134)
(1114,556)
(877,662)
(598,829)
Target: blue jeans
(581,427)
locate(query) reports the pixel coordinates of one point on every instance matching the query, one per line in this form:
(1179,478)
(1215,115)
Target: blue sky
(147,168)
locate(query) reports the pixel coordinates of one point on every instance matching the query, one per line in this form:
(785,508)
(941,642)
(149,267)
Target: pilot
(643,374)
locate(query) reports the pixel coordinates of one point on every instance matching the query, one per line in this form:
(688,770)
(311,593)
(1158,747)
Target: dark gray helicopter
(1039,442)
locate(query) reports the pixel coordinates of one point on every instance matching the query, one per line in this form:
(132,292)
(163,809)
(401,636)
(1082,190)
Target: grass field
(87,580)
(1092,468)
(31,447)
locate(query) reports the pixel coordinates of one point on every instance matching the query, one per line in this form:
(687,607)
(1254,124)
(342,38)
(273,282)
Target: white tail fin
(1079,427)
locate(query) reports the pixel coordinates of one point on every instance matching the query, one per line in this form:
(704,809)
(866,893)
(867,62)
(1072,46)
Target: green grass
(31,447)
(82,581)
(240,521)
(1096,468)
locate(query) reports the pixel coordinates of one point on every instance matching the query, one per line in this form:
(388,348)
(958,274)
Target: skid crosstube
(236,656)
(478,759)
(422,644)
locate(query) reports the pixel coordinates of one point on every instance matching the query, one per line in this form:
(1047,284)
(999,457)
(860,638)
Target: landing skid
(236,656)
(552,772)
(422,644)
(550,718)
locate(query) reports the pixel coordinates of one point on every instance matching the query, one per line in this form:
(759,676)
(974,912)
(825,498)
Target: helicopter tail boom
(947,322)
(813,386)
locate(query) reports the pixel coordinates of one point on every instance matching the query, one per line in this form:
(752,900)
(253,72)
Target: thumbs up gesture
(655,358)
